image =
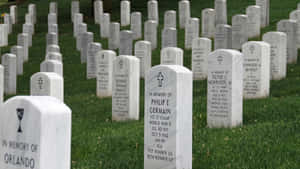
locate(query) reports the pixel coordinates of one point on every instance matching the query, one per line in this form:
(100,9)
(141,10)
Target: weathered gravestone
(93,49)
(169,37)
(52,39)
(191,32)
(47,84)
(208,22)
(104,69)
(221,11)
(1,85)
(114,36)
(170,19)
(125,13)
(239,31)
(28,18)
(98,11)
(86,39)
(290,28)
(278,43)
(3,35)
(142,50)
(82,28)
(225,89)
(75,8)
(35,133)
(256,69)
(136,25)
(265,12)
(53,56)
(126,88)
(253,13)
(52,18)
(184,13)
(19,52)
(223,37)
(295,15)
(53,7)
(53,48)
(126,40)
(150,34)
(200,51)
(78,19)
(153,10)
(54,66)
(23,41)
(9,62)
(168,118)
(14,14)
(105,23)
(171,56)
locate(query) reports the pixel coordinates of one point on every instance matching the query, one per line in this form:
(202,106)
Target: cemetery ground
(269,137)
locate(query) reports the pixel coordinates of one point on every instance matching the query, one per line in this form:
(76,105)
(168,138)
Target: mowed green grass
(269,138)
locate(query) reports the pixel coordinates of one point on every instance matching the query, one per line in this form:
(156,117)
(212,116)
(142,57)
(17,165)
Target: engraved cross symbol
(160,79)
(40,82)
(252,48)
(121,64)
(220,59)
(20,114)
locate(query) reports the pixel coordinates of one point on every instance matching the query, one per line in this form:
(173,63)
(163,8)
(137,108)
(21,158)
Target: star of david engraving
(160,79)
(20,114)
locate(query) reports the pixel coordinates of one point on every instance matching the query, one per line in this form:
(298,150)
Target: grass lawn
(269,138)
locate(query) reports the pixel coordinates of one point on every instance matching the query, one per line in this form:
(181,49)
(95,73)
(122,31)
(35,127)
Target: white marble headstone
(125,13)
(53,7)
(150,33)
(105,23)
(52,48)
(126,88)
(153,10)
(171,56)
(35,133)
(168,118)
(53,28)
(239,31)
(7,21)
(142,50)
(184,13)
(221,11)
(126,40)
(47,84)
(1,85)
(4,35)
(86,39)
(93,49)
(52,39)
(136,25)
(290,28)
(32,12)
(9,62)
(256,55)
(28,28)
(82,28)
(14,14)
(170,19)
(53,56)
(191,32)
(253,13)
(104,72)
(265,12)
(295,15)
(278,43)
(52,18)
(223,37)
(98,11)
(200,51)
(75,8)
(78,19)
(23,40)
(169,37)
(225,89)
(114,36)
(208,22)
(19,52)
(54,66)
